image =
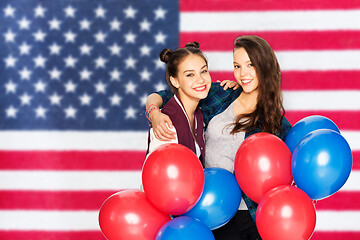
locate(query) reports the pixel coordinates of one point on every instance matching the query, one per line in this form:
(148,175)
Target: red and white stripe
(52,184)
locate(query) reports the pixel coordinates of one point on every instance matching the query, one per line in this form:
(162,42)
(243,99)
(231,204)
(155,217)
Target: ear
(174,82)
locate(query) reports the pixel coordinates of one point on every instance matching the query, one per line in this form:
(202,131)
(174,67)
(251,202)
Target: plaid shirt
(216,102)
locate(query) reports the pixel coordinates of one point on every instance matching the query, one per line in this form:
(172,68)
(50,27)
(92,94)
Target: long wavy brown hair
(269,110)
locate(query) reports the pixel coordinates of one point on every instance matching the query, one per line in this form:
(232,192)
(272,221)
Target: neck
(248,100)
(189,104)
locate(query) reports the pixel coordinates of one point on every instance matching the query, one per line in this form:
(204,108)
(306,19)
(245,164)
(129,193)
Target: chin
(248,90)
(202,96)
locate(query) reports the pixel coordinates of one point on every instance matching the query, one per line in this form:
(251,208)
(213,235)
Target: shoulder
(217,89)
(174,111)
(171,107)
(166,95)
(217,95)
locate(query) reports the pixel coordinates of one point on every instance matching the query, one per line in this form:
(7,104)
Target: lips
(245,81)
(200,88)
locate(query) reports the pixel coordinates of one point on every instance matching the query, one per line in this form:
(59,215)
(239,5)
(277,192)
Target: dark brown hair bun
(165,55)
(193,44)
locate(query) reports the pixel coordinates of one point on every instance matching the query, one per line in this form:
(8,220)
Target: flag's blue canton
(82,64)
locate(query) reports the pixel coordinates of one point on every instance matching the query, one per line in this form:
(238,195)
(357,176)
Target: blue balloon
(305,126)
(220,199)
(321,163)
(184,227)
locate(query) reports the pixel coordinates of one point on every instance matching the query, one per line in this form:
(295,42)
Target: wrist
(153,112)
(150,110)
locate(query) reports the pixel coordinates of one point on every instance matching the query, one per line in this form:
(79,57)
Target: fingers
(155,134)
(228,84)
(165,127)
(161,129)
(168,122)
(232,84)
(163,133)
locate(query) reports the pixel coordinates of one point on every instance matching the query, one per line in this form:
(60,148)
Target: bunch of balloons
(180,200)
(313,163)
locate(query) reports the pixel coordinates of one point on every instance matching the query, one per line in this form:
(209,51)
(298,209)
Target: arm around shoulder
(159,98)
(154,99)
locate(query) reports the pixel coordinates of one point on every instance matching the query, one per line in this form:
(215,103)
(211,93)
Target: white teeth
(245,81)
(200,88)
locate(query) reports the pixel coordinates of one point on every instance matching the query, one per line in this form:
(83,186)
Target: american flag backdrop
(75,74)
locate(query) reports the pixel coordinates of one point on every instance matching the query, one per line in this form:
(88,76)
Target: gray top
(221,146)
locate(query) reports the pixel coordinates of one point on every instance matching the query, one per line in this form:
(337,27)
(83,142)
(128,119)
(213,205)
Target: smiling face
(193,80)
(245,72)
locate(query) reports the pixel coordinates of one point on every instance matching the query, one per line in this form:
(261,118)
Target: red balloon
(286,212)
(129,215)
(262,162)
(173,178)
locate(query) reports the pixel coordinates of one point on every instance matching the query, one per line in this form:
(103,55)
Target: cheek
(208,78)
(257,83)
(253,73)
(237,73)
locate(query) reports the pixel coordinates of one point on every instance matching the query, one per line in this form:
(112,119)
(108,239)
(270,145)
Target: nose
(200,79)
(243,72)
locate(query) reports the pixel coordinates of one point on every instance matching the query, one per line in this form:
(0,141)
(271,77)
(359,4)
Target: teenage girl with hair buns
(189,80)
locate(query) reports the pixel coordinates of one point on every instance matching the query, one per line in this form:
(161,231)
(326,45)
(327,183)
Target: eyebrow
(246,62)
(191,70)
